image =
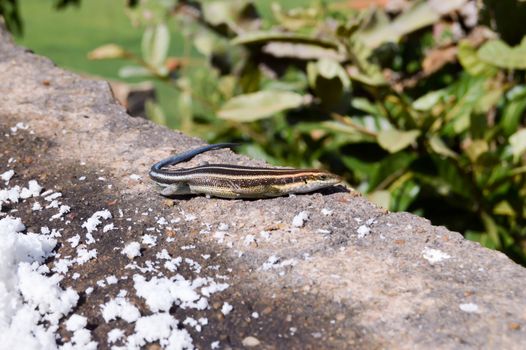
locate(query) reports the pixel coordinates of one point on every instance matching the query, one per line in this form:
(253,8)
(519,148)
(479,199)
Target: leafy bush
(420,108)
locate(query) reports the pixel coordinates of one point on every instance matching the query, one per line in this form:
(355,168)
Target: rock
(250,342)
(404,284)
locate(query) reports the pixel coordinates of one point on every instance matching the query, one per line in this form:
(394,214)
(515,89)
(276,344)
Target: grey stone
(353,276)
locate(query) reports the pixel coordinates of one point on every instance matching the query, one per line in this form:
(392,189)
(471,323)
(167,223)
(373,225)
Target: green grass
(66,36)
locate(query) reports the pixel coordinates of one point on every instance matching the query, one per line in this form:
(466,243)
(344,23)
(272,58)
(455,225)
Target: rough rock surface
(351,276)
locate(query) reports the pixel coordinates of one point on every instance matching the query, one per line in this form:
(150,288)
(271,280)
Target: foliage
(10,12)
(420,107)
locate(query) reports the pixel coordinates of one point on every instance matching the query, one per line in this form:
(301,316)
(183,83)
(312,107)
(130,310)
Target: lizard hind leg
(175,190)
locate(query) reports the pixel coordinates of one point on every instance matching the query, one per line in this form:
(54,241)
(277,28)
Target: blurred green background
(68,34)
(418,104)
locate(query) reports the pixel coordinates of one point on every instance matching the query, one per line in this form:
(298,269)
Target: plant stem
(348,121)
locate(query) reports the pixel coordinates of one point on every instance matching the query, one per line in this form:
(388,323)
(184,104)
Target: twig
(348,121)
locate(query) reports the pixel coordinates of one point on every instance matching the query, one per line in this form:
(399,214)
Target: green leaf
(297,18)
(450,178)
(375,79)
(329,69)
(395,140)
(260,38)
(294,79)
(461,122)
(476,149)
(301,51)
(184,105)
(480,237)
(222,12)
(330,82)
(155,43)
(349,133)
(468,91)
(134,72)
(238,15)
(491,229)
(504,208)
(438,146)
(148,13)
(518,143)
(256,151)
(250,78)
(108,51)
(421,14)
(446,179)
(478,125)
(381,198)
(403,192)
(363,104)
(467,55)
(429,100)
(513,110)
(363,69)
(259,105)
(489,99)
(360,168)
(388,170)
(155,112)
(498,53)
(205,42)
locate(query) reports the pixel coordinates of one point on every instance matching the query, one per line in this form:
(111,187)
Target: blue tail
(183,157)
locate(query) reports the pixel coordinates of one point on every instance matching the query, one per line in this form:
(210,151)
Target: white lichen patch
(363,231)
(132,250)
(226,308)
(300,219)
(135,177)
(434,255)
(469,308)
